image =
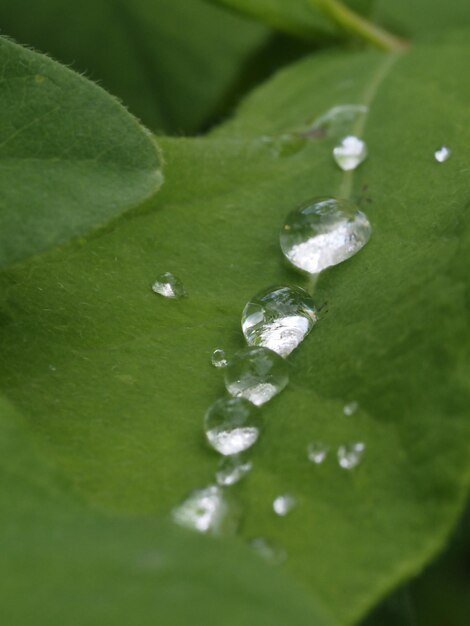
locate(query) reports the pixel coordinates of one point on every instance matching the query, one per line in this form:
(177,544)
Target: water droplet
(442,154)
(282,505)
(232,425)
(350,153)
(337,121)
(350,455)
(322,233)
(256,374)
(169,286)
(279,319)
(232,469)
(271,553)
(218,358)
(207,510)
(317,451)
(350,408)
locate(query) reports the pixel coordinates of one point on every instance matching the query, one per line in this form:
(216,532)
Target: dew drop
(218,358)
(169,286)
(322,233)
(350,455)
(272,554)
(257,374)
(232,425)
(279,319)
(350,153)
(207,510)
(282,505)
(350,408)
(442,154)
(317,451)
(232,469)
(337,121)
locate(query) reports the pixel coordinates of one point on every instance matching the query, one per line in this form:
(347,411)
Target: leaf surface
(71,157)
(173,63)
(115,380)
(64,564)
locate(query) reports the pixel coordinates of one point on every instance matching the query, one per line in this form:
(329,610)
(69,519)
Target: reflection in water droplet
(256,374)
(279,318)
(324,232)
(442,154)
(350,153)
(350,455)
(272,554)
(218,358)
(168,285)
(337,121)
(282,505)
(317,452)
(207,510)
(350,408)
(232,425)
(232,469)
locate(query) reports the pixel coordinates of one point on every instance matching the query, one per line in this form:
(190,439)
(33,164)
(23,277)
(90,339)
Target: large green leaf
(297,17)
(71,157)
(115,379)
(62,564)
(172,62)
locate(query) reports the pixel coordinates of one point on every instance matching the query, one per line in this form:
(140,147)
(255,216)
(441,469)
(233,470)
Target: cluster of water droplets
(315,236)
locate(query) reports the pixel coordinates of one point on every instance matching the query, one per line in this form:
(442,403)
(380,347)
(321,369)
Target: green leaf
(172,62)
(115,379)
(297,17)
(80,567)
(71,157)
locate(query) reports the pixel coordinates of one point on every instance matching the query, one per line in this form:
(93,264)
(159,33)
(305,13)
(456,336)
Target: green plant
(105,385)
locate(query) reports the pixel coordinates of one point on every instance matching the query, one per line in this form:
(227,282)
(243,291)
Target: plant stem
(356,24)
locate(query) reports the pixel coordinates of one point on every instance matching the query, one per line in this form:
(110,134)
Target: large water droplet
(256,374)
(272,554)
(168,285)
(350,408)
(317,452)
(350,455)
(324,232)
(232,425)
(337,121)
(279,318)
(282,505)
(207,510)
(350,153)
(442,154)
(232,469)
(218,358)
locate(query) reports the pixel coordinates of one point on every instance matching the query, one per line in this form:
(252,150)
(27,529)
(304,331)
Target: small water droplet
(272,554)
(350,408)
(169,286)
(350,153)
(322,233)
(232,469)
(350,455)
(207,510)
(317,451)
(337,121)
(218,358)
(279,318)
(256,374)
(232,425)
(442,154)
(282,505)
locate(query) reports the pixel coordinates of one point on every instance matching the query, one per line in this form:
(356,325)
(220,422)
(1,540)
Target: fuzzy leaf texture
(71,157)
